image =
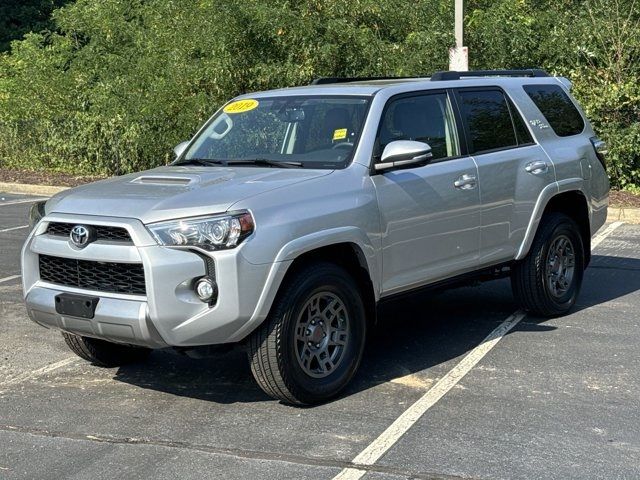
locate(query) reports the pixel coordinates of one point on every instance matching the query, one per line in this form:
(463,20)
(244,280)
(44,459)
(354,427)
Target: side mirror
(178,149)
(402,153)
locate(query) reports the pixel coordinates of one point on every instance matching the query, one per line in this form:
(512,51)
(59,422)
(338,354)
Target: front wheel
(311,344)
(103,353)
(547,281)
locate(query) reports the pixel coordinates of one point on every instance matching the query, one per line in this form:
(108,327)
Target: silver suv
(292,213)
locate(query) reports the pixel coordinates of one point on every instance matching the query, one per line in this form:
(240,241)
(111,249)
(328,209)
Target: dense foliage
(18,17)
(117,83)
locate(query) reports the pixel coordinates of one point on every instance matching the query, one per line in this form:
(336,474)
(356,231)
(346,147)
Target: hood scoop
(158,180)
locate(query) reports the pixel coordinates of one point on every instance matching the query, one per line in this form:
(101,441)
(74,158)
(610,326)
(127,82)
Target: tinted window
(424,118)
(488,120)
(557,108)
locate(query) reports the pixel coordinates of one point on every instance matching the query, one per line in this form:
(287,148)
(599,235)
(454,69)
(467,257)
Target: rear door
(429,213)
(512,169)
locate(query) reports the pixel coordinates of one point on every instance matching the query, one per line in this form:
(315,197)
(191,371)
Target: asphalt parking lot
(553,398)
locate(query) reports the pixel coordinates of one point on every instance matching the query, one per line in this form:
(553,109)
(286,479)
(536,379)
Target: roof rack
(453,75)
(329,80)
(439,76)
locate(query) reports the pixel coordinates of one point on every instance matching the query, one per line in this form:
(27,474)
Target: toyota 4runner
(292,213)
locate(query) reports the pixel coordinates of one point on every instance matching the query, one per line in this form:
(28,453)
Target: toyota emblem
(80,236)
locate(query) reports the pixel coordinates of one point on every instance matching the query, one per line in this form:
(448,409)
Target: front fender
(332,236)
(299,246)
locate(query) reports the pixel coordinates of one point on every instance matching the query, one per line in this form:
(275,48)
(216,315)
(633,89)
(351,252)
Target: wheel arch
(347,247)
(351,257)
(568,198)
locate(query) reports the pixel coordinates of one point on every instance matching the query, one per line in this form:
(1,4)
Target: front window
(301,131)
(424,118)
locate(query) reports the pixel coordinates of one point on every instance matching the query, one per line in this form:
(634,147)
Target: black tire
(274,348)
(529,280)
(103,353)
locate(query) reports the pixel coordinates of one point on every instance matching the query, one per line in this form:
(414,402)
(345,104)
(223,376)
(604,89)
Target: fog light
(206,289)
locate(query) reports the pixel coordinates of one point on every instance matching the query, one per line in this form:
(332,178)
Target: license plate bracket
(82,306)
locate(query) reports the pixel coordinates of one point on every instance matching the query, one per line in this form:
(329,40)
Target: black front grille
(103,232)
(101,276)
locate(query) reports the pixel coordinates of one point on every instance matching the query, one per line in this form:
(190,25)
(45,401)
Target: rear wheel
(103,353)
(311,344)
(547,281)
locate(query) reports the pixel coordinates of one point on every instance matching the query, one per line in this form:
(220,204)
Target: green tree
(122,81)
(18,17)
(119,82)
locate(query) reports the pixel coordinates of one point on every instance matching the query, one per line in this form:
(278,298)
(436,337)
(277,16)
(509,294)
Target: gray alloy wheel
(322,334)
(560,266)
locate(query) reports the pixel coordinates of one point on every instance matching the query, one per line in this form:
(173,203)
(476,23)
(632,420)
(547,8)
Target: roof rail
(328,80)
(453,75)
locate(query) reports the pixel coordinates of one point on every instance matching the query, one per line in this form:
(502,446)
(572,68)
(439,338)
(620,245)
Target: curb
(622,214)
(29,189)
(615,214)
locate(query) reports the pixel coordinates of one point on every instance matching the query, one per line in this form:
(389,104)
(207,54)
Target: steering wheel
(343,145)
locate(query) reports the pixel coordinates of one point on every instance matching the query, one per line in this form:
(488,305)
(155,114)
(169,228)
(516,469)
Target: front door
(430,214)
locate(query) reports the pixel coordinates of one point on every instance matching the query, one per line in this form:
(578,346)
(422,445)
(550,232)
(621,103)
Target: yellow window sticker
(241,106)
(340,134)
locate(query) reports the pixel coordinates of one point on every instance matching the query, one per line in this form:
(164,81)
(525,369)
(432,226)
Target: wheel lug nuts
(308,332)
(317,345)
(310,344)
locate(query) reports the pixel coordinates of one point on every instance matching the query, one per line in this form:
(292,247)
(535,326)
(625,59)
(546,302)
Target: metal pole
(459,18)
(459,56)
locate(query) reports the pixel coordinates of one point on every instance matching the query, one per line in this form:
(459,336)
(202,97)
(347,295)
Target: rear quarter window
(557,108)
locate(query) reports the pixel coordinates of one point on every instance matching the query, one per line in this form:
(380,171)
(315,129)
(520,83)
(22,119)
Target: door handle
(466,182)
(538,167)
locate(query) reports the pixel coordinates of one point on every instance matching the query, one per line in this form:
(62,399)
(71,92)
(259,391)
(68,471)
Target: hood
(175,191)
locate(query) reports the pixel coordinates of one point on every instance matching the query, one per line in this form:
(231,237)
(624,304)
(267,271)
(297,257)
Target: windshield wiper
(201,161)
(244,161)
(267,162)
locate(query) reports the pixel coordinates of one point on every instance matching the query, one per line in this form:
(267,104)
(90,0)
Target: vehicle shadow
(428,331)
(414,333)
(224,377)
(607,278)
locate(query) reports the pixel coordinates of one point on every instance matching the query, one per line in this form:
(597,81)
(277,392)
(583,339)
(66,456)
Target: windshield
(301,131)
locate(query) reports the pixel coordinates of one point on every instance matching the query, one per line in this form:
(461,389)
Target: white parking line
(9,278)
(387,439)
(597,240)
(14,228)
(26,200)
(36,373)
(409,417)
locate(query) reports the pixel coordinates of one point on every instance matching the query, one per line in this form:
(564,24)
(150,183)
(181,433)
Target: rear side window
(557,108)
(489,121)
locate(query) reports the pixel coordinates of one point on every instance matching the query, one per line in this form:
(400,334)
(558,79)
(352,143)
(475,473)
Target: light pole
(459,56)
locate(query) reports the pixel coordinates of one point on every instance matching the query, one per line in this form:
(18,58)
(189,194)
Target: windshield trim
(335,166)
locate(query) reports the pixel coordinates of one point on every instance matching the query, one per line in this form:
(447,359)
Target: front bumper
(170,314)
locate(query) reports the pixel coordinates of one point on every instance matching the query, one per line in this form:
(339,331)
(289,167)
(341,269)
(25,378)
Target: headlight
(217,232)
(36,212)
